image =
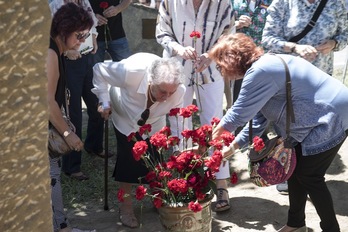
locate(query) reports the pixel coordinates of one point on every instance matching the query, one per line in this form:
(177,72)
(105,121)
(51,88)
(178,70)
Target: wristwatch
(66,133)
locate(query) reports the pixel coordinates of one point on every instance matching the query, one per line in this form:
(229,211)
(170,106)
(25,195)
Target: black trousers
(308,178)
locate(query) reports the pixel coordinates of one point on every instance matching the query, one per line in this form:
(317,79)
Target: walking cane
(106,157)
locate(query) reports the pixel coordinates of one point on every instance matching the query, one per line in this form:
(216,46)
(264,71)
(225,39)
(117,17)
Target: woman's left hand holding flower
(101,19)
(111,11)
(202,62)
(187,53)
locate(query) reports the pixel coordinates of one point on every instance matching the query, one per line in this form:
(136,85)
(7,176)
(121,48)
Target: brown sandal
(224,204)
(128,219)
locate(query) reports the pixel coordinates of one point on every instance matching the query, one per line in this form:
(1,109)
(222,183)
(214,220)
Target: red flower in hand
(195,34)
(104,5)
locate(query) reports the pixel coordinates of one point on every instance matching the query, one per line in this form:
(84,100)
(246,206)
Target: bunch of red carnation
(181,178)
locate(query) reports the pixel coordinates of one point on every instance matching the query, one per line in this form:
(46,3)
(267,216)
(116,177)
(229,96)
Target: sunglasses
(80,36)
(143,117)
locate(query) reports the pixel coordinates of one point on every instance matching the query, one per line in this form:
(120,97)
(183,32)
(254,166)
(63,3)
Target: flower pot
(184,220)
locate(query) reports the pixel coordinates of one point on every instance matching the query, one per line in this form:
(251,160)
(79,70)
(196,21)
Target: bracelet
(292,47)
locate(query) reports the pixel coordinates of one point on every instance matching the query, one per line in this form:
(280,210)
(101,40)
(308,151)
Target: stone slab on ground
(253,208)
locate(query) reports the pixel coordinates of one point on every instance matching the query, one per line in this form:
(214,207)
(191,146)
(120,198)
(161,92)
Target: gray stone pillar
(24,168)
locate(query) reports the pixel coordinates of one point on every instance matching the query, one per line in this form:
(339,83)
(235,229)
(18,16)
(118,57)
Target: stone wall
(139,22)
(24,176)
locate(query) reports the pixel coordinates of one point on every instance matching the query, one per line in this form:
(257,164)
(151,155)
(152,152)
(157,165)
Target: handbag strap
(66,91)
(311,23)
(67,102)
(290,116)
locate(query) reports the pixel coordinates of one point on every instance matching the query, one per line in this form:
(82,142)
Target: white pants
(209,100)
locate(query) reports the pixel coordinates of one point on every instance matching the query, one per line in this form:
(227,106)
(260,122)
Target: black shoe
(100,154)
(80,176)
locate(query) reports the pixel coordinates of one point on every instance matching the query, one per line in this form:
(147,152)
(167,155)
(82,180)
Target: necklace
(150,95)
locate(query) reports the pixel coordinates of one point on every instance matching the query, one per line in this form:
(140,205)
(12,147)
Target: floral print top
(287,18)
(258,17)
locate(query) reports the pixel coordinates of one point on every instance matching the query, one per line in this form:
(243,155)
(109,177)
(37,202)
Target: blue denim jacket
(320,104)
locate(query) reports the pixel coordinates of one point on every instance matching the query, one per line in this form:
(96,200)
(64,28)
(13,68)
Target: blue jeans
(118,50)
(79,81)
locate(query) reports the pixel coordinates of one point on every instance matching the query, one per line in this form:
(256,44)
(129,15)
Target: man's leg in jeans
(119,49)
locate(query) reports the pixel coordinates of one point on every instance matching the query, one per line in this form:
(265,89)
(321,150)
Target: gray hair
(166,70)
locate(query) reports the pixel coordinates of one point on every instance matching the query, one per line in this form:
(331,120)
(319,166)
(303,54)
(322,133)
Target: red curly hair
(234,54)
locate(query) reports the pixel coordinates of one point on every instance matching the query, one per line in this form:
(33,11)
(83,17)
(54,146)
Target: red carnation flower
(227,137)
(174,112)
(139,149)
(104,5)
(195,34)
(159,140)
(140,192)
(215,121)
(120,195)
(185,112)
(145,129)
(258,143)
(234,178)
(195,206)
(131,137)
(157,202)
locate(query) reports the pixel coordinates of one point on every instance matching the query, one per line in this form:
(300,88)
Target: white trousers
(209,100)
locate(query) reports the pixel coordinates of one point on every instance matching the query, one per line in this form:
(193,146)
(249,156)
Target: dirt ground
(253,208)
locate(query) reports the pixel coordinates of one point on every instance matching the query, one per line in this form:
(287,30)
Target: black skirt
(127,169)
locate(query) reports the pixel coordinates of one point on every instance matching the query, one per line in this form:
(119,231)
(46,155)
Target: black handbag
(276,162)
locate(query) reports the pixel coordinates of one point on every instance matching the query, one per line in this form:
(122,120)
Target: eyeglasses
(80,36)
(218,67)
(143,117)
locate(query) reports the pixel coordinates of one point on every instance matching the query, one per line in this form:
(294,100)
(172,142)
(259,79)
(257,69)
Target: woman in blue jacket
(320,105)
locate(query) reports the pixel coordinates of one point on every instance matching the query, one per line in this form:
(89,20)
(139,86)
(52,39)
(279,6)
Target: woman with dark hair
(320,105)
(70,27)
(79,63)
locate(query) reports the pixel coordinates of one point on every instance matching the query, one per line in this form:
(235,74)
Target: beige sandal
(223,204)
(293,229)
(128,219)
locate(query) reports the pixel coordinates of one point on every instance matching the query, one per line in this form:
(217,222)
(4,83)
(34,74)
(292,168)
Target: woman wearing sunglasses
(69,28)
(144,87)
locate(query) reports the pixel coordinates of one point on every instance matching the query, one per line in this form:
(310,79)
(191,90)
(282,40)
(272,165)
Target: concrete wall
(24,168)
(139,22)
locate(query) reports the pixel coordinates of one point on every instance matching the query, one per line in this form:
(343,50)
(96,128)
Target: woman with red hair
(317,133)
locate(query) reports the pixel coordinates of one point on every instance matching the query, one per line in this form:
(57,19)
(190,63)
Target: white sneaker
(282,187)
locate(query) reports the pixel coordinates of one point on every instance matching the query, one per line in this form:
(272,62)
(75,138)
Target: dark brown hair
(234,54)
(68,19)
